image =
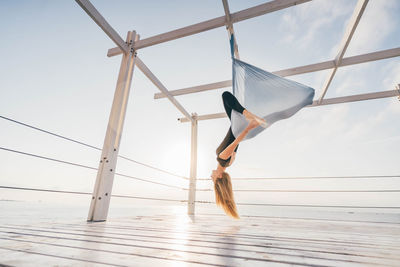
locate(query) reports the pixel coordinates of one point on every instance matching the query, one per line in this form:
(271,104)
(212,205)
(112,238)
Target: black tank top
(223,162)
(229,138)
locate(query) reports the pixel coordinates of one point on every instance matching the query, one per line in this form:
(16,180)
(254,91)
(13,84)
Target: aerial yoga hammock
(259,99)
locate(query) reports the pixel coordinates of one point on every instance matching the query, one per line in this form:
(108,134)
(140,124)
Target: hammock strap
(232,43)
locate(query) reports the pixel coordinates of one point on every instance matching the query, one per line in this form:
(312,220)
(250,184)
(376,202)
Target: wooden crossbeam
(212,24)
(100,20)
(351,27)
(330,101)
(384,54)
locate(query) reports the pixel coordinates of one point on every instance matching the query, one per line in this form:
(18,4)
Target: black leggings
(230,103)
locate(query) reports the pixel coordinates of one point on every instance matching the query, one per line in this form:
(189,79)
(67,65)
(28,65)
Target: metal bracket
(131,47)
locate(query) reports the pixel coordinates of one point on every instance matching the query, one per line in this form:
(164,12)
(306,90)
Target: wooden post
(193,167)
(105,175)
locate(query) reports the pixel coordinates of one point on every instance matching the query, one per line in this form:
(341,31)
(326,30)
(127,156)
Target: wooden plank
(355,238)
(84,255)
(100,20)
(286,240)
(177,239)
(24,257)
(40,256)
(212,24)
(374,56)
(359,235)
(120,251)
(278,237)
(330,101)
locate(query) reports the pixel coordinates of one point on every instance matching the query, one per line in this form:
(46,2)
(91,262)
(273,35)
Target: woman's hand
(231,148)
(232,159)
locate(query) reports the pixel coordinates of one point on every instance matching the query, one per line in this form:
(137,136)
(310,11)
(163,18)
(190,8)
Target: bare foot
(262,122)
(253,124)
(250,116)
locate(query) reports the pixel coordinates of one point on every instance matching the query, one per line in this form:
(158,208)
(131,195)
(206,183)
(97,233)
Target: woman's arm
(232,158)
(229,150)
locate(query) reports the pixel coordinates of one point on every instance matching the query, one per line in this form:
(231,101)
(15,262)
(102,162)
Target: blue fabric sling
(265,95)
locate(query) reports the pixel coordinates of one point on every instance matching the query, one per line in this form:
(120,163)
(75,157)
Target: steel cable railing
(203,201)
(90,146)
(305,205)
(207,189)
(310,191)
(87,167)
(200,201)
(310,177)
(86,193)
(47,158)
(202,179)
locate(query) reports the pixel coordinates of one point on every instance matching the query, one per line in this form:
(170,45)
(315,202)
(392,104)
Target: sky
(55,75)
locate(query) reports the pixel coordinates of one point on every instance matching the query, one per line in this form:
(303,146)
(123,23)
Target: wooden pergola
(128,48)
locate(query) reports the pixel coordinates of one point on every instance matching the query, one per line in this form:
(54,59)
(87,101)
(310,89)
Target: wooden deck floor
(177,240)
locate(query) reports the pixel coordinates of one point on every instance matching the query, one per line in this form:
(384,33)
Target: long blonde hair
(224,195)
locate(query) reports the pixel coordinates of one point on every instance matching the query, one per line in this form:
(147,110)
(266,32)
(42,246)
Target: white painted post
(193,167)
(105,175)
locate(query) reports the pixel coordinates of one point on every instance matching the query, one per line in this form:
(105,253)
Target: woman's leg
(231,103)
(228,151)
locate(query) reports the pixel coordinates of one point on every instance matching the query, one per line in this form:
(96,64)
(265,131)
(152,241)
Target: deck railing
(206,187)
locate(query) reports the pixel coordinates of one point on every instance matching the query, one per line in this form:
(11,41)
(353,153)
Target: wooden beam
(212,24)
(206,117)
(330,101)
(263,9)
(384,54)
(193,167)
(196,89)
(146,71)
(355,98)
(355,19)
(100,20)
(101,197)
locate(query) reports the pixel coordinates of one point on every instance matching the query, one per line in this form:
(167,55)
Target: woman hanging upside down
(226,153)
